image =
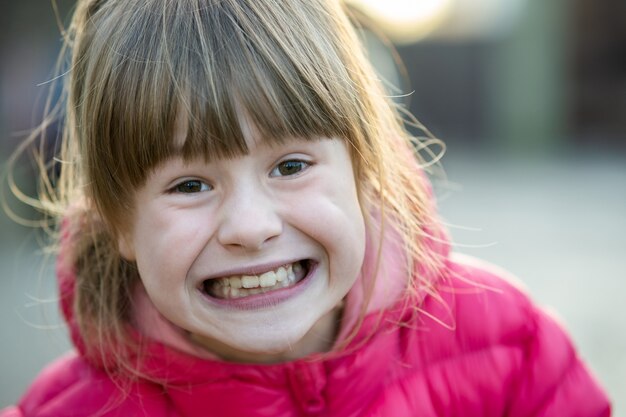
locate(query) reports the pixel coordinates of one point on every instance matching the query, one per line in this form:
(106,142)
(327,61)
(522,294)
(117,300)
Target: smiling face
(251,255)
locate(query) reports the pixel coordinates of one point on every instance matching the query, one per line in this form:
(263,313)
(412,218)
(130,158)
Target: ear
(126,247)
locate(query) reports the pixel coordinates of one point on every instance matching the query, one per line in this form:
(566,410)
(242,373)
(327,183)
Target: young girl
(244,230)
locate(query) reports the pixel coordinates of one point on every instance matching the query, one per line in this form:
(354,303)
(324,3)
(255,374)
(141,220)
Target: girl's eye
(191,186)
(290,167)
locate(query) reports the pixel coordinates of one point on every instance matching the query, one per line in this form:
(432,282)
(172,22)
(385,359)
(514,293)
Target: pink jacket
(480,348)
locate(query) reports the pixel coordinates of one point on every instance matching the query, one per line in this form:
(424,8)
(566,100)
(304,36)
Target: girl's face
(251,255)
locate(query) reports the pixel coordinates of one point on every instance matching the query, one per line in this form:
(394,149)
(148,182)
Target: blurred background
(530,98)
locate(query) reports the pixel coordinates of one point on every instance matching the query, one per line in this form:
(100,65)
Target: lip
(268,299)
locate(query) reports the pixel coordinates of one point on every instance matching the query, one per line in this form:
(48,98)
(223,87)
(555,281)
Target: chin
(267,344)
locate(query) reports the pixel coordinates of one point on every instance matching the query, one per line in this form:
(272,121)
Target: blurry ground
(559,225)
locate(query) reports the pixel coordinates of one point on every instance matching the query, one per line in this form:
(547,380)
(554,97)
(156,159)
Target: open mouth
(241,286)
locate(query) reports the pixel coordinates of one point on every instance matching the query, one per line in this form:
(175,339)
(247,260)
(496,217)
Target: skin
(195,221)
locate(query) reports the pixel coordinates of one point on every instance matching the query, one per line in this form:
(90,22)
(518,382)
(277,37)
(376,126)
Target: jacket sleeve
(554,381)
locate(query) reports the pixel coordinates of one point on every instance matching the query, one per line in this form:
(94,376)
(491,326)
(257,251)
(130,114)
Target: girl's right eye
(190,187)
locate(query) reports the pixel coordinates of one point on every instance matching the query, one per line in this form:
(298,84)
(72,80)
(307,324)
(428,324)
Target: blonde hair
(139,68)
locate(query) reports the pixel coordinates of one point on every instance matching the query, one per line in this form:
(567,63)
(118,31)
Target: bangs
(242,61)
(203,68)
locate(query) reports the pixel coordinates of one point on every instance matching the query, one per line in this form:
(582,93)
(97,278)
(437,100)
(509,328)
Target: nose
(249,219)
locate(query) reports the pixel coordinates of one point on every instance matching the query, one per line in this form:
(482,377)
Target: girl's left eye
(289,167)
(190,187)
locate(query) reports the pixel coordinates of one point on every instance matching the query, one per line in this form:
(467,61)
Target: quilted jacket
(476,346)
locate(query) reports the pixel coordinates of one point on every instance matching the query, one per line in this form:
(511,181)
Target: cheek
(167,242)
(337,224)
(350,237)
(334,219)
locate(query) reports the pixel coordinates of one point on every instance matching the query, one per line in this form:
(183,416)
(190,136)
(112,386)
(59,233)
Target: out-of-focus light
(481,19)
(405,20)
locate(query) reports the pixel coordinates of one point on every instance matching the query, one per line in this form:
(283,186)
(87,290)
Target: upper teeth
(267,279)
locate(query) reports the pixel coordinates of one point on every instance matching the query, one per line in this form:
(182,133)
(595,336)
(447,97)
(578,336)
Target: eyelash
(200,186)
(196,183)
(303,166)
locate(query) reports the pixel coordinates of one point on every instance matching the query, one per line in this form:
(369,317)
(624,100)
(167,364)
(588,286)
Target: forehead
(252,138)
